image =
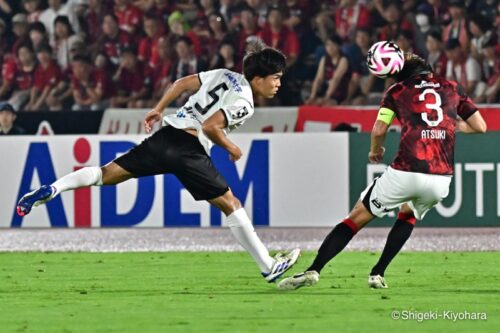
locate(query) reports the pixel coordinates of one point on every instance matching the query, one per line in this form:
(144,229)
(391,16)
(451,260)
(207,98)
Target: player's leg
(241,227)
(399,234)
(109,174)
(333,244)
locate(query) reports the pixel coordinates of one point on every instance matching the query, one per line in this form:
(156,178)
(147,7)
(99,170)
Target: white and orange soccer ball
(385,59)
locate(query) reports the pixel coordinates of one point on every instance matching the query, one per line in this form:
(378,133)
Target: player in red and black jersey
(430,110)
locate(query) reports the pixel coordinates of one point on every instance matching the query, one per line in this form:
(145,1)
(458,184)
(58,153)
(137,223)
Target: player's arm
(213,128)
(474,124)
(188,83)
(380,128)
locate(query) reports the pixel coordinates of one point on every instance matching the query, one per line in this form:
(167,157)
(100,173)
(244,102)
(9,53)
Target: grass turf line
(223,292)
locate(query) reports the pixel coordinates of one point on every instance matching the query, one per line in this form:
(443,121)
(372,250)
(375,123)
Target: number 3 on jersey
(432,106)
(215,98)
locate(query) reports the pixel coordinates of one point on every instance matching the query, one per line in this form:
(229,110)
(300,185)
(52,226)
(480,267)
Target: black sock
(335,242)
(397,237)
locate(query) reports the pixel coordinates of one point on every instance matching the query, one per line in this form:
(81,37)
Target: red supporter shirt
(161,72)
(111,46)
(97,79)
(285,40)
(47,77)
(133,82)
(130,17)
(347,20)
(148,50)
(427,109)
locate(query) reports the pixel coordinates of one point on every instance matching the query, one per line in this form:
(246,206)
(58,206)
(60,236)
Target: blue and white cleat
(282,263)
(34,198)
(305,279)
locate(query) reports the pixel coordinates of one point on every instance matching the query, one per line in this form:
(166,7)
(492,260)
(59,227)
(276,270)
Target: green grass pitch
(223,292)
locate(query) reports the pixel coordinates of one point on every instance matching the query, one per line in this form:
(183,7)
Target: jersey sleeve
(238,112)
(204,77)
(466,107)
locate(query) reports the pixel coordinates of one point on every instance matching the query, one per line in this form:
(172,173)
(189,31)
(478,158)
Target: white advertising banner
(282,179)
(131,121)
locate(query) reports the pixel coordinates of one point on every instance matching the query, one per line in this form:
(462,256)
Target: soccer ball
(385,59)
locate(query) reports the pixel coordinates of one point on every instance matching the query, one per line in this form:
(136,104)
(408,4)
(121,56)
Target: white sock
(81,178)
(243,230)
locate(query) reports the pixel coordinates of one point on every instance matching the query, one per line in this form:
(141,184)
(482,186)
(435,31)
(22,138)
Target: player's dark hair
(414,65)
(261,60)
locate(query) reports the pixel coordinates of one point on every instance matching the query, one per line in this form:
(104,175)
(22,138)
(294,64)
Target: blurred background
(91,69)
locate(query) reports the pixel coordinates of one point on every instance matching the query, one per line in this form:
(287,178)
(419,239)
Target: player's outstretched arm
(213,128)
(377,149)
(188,83)
(473,124)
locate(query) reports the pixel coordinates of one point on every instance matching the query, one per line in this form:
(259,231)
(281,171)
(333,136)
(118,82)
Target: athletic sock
(335,242)
(397,237)
(243,230)
(81,178)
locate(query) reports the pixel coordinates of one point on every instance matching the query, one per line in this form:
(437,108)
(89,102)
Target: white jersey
(221,89)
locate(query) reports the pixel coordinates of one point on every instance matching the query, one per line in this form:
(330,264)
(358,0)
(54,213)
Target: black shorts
(171,150)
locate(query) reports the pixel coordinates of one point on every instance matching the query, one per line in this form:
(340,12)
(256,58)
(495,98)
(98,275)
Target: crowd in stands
(92,54)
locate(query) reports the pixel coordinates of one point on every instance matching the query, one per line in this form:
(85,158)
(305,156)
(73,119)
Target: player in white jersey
(222,102)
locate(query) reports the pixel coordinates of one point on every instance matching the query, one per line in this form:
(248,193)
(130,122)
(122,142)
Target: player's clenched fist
(376,156)
(235,153)
(151,118)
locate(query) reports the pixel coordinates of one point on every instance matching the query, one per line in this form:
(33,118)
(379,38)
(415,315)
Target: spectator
(277,35)
(20,28)
(480,29)
(93,19)
(424,24)
(61,96)
(5,40)
(404,40)
(260,8)
(59,8)
(47,76)
(349,17)
(491,68)
(395,21)
(364,88)
(332,77)
(8,115)
(457,28)
(436,55)
(440,13)
(206,7)
(90,87)
(18,79)
(163,69)
(179,28)
(218,32)
(33,10)
(161,9)
(248,27)
(113,39)
(464,69)
(64,39)
(148,46)
(187,64)
(134,81)
(129,17)
(226,57)
(298,16)
(229,10)
(38,34)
